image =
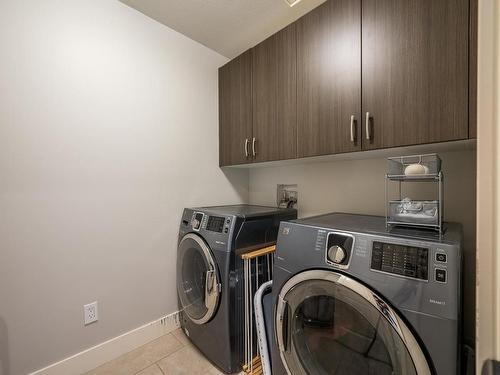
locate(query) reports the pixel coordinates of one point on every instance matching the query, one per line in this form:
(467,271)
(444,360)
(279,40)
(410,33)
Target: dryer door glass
(328,326)
(197,279)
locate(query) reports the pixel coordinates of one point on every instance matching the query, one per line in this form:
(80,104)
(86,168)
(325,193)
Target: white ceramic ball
(414,169)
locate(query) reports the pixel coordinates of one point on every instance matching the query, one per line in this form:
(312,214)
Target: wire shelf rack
(257,270)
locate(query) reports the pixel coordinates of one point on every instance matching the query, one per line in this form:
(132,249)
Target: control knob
(337,254)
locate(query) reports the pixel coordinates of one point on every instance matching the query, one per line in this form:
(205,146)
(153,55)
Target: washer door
(198,283)
(328,323)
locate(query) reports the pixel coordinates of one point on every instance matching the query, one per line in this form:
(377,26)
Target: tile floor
(171,354)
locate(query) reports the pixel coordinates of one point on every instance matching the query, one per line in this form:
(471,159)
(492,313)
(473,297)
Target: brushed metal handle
(353,120)
(368,135)
(210,287)
(282,325)
(246,147)
(253,147)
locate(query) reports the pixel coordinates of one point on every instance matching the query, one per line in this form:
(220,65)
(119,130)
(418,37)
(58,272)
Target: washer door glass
(197,279)
(330,324)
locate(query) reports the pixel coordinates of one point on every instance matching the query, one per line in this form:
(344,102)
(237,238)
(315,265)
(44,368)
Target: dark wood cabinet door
(235,110)
(329,78)
(274,88)
(414,71)
(473,4)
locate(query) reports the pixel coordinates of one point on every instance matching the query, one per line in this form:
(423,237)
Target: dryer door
(198,284)
(328,323)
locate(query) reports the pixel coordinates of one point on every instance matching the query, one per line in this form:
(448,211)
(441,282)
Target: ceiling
(226,26)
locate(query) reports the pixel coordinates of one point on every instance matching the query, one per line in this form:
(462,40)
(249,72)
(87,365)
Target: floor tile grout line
(172,333)
(151,365)
(156,363)
(181,345)
(168,355)
(161,370)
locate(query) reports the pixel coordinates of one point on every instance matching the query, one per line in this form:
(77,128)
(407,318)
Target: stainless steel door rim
(406,336)
(212,282)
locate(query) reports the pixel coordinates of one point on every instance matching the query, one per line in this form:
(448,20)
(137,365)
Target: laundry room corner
(357,186)
(235,187)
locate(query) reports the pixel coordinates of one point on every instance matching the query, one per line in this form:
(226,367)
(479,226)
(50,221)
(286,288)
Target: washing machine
(351,298)
(210,272)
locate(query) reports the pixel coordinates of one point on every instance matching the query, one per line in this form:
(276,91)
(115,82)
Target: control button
(226,230)
(195,223)
(440,275)
(228,221)
(441,257)
(336,254)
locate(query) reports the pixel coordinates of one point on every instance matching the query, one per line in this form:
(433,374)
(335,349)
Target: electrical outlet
(90,313)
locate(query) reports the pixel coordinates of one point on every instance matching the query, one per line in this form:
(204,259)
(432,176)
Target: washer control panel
(402,260)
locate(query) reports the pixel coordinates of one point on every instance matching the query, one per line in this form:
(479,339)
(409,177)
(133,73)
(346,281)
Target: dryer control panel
(212,223)
(400,260)
(218,224)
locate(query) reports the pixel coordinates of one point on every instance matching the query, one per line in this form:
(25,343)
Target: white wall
(358,186)
(488,184)
(108,128)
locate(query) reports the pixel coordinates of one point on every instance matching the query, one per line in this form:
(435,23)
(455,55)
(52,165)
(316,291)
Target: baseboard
(93,357)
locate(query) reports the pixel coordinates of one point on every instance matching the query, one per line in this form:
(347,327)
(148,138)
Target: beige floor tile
(181,336)
(140,358)
(151,370)
(215,371)
(187,361)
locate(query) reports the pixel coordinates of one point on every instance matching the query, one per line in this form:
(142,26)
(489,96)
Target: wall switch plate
(90,313)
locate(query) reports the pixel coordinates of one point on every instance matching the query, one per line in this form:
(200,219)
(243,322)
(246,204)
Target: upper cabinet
(414,71)
(235,110)
(352,75)
(258,102)
(329,79)
(274,93)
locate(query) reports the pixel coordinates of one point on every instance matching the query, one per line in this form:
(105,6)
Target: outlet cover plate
(287,195)
(90,313)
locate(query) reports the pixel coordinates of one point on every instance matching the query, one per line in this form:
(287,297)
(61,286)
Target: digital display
(215,223)
(401,260)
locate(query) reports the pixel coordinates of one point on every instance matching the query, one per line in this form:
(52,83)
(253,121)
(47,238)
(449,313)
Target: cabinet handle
(253,147)
(368,135)
(353,120)
(246,147)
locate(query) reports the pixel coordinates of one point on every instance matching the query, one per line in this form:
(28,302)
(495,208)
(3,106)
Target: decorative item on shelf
(416,169)
(425,166)
(413,212)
